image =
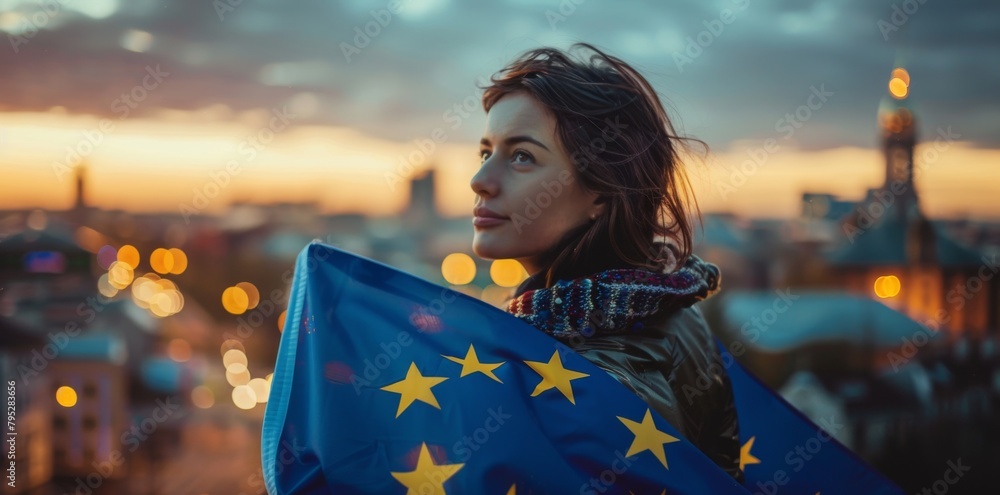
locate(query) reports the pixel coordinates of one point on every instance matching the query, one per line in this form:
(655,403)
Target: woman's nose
(483,183)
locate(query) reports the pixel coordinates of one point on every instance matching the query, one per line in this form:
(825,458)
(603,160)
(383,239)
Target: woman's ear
(598,207)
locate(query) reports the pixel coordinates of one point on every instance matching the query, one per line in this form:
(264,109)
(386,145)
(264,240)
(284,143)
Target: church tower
(898,139)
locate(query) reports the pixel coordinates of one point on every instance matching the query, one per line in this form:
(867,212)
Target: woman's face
(527,178)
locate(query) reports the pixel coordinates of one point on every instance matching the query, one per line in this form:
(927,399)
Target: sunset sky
(215,78)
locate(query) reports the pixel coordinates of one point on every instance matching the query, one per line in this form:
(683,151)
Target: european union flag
(785,452)
(386,383)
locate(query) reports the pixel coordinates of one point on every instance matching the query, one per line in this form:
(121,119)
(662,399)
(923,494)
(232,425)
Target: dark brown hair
(623,147)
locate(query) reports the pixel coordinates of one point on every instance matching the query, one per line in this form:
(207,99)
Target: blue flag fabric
(386,383)
(785,452)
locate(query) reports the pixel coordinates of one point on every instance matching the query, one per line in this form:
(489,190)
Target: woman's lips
(486,222)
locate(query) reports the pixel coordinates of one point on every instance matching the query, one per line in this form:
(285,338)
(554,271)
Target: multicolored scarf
(616,300)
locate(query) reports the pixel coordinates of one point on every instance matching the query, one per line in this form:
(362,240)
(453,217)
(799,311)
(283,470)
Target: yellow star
(471,364)
(555,376)
(513,489)
(647,437)
(426,475)
(745,456)
(414,387)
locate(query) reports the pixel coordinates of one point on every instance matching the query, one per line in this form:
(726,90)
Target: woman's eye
(483,155)
(526,157)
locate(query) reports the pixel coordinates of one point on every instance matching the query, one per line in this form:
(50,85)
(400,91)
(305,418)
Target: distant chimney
(80,200)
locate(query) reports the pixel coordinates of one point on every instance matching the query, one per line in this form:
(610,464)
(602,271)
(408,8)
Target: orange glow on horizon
(149,166)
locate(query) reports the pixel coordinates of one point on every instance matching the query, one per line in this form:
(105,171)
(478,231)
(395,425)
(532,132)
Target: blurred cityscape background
(162,164)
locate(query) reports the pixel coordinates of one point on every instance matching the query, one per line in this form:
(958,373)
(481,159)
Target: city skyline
(953,176)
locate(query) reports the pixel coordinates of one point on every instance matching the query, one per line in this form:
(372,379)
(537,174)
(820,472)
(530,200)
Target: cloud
(418,63)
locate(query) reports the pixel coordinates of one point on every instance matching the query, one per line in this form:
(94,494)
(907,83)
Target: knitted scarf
(616,300)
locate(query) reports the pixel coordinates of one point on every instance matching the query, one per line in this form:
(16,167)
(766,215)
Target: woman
(581,183)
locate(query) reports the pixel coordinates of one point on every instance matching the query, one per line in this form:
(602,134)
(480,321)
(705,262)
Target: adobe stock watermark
(582,159)
(373,367)
(277,298)
(869,214)
(224,7)
(956,470)
(122,106)
(28,27)
(900,16)
(133,437)
(957,297)
(57,340)
(713,29)
(752,331)
(424,148)
(364,36)
(608,477)
(787,125)
(797,457)
(424,319)
(464,448)
(289,453)
(565,9)
(221,179)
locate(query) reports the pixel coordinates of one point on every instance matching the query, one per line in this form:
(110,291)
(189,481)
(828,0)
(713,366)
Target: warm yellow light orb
(66,396)
(235,300)
(244,397)
(261,388)
(253,295)
(458,268)
(507,273)
(180,261)
(233,356)
(161,260)
(887,286)
(901,74)
(897,88)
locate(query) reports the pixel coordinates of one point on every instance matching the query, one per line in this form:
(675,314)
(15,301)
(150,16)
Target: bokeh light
(37,220)
(237,375)
(179,350)
(180,261)
(235,300)
(233,356)
(887,286)
(901,74)
(261,388)
(458,268)
(202,397)
(229,345)
(66,396)
(253,295)
(104,286)
(281,321)
(129,255)
(244,397)
(120,274)
(161,260)
(143,289)
(897,88)
(507,273)
(159,295)
(160,304)
(106,256)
